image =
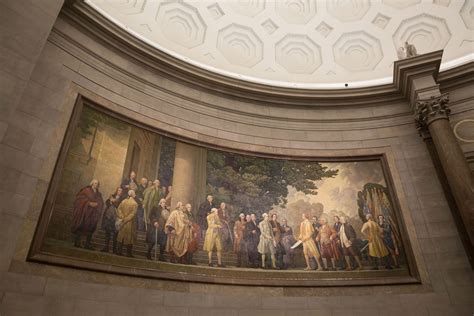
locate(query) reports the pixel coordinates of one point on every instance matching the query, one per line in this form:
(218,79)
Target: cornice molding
(177,70)
(409,69)
(456,77)
(107,67)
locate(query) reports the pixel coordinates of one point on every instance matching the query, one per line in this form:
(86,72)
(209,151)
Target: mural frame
(203,274)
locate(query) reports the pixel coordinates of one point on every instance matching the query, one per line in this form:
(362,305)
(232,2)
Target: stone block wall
(40,83)
(25,126)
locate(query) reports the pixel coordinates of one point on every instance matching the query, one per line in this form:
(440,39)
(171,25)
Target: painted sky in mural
(335,196)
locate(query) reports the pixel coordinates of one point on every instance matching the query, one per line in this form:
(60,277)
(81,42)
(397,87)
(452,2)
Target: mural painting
(120,199)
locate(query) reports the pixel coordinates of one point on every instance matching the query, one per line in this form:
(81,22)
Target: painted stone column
(431,115)
(189,175)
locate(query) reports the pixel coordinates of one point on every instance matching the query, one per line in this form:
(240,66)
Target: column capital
(431,109)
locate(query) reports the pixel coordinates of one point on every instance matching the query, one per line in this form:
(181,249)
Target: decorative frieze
(428,110)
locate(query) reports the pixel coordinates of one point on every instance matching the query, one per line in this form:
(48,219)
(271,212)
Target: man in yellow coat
(309,246)
(125,223)
(178,228)
(377,249)
(213,237)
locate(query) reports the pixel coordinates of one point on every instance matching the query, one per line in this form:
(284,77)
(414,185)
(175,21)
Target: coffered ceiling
(299,43)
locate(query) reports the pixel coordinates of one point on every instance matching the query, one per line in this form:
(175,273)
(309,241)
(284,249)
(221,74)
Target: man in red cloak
(88,207)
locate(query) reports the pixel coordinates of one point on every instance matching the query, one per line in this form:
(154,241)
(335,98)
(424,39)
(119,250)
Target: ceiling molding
(178,70)
(300,44)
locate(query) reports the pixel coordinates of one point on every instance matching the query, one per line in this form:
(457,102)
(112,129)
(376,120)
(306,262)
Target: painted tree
(255,184)
(168,149)
(91,119)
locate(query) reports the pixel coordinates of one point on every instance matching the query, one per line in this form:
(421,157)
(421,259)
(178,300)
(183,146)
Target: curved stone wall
(74,62)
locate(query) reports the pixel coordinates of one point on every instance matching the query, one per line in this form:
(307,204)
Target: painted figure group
(339,244)
(265,244)
(270,244)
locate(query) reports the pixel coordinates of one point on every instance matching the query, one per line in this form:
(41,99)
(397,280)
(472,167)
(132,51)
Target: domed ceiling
(299,43)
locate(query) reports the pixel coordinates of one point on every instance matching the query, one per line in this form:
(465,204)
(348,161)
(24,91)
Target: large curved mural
(128,199)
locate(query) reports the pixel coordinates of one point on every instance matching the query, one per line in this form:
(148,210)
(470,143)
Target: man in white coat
(267,243)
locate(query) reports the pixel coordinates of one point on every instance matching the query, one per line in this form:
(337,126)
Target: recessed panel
(126,198)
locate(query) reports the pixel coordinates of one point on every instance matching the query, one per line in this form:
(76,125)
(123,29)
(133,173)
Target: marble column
(431,115)
(189,175)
